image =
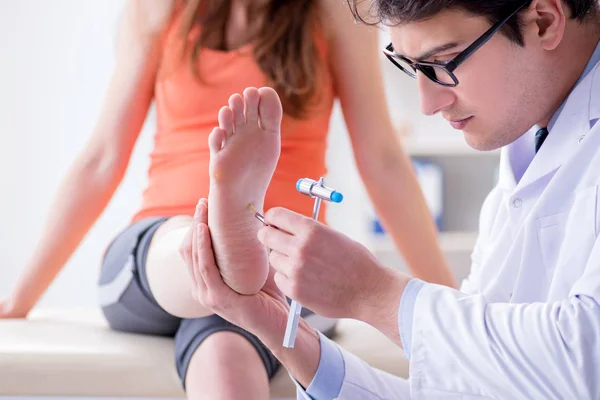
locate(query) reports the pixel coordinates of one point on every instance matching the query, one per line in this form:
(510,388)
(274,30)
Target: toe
(216,139)
(270,109)
(251,97)
(226,120)
(237,106)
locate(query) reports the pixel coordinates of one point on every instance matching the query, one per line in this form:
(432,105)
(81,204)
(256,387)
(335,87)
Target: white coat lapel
(566,134)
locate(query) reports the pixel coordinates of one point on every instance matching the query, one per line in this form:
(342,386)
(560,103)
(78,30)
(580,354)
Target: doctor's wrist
(381,301)
(302,361)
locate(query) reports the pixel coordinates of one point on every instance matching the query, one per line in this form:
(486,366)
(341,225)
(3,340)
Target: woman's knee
(227,345)
(228,364)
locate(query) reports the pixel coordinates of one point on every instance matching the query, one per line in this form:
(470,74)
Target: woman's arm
(384,167)
(97,172)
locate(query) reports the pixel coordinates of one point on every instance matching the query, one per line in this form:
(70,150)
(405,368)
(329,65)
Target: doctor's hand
(263,314)
(265,311)
(331,274)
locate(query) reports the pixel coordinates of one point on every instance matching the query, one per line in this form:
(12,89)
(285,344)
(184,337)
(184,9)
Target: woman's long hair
(284,46)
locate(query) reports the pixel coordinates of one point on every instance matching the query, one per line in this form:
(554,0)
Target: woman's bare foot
(243,155)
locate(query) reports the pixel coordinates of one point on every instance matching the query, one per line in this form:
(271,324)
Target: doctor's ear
(546,21)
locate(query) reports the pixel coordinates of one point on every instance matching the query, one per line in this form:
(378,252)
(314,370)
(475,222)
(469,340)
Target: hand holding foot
(264,314)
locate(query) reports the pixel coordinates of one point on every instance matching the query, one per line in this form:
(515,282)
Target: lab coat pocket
(582,223)
(581,228)
(567,239)
(551,230)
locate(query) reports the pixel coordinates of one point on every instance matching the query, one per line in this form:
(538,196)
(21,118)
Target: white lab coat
(526,323)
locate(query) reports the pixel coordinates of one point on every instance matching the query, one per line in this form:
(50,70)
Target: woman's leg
(216,359)
(226,366)
(167,273)
(241,171)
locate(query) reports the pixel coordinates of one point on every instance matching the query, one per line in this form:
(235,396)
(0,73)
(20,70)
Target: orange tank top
(186,112)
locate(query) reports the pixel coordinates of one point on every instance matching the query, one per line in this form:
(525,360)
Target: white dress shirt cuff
(406,313)
(330,374)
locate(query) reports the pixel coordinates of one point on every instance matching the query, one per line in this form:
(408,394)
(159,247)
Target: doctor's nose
(434,97)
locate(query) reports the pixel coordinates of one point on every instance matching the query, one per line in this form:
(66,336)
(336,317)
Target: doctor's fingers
(289,287)
(288,221)
(290,276)
(277,240)
(198,285)
(200,216)
(188,249)
(281,264)
(211,290)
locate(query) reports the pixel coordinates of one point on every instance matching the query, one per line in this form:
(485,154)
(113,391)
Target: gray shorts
(129,306)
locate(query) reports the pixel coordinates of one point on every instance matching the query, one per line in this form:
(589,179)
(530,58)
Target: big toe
(251,99)
(270,109)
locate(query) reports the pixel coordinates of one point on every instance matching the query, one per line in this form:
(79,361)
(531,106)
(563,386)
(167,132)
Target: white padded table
(73,353)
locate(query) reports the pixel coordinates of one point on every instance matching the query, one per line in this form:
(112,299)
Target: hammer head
(313,188)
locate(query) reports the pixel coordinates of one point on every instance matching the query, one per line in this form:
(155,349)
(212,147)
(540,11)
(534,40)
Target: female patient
(188,57)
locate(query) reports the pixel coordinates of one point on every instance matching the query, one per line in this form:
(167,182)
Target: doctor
(526,322)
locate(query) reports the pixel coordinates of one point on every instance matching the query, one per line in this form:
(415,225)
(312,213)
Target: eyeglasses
(443,73)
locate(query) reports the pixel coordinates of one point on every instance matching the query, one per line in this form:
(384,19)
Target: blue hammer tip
(337,197)
(298,184)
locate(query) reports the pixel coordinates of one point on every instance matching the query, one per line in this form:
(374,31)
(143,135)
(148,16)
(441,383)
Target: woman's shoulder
(150,18)
(334,16)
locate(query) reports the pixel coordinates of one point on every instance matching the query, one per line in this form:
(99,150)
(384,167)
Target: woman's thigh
(167,273)
(124,296)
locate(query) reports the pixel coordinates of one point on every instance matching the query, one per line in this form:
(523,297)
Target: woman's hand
(10,309)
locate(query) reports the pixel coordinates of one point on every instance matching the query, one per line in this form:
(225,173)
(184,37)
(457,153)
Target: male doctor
(519,75)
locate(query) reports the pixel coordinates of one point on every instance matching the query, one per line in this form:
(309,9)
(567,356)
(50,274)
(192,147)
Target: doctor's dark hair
(398,12)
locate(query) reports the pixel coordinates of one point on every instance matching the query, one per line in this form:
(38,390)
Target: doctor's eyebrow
(436,50)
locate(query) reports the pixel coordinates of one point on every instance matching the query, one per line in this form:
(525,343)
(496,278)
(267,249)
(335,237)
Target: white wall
(56,59)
